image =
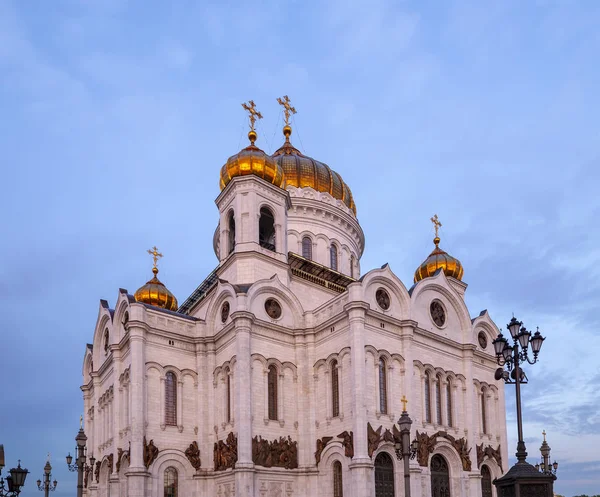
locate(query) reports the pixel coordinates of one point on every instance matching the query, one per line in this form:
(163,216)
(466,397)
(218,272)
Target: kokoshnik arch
(282,373)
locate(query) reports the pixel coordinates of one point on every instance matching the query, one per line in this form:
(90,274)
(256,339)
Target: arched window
(231,232)
(307,248)
(352,266)
(449,401)
(486,482)
(266,229)
(483,413)
(333,257)
(438,400)
(440,477)
(427,396)
(272,386)
(335,390)
(170,399)
(338,487)
(384,475)
(106,341)
(171,483)
(382,387)
(228,395)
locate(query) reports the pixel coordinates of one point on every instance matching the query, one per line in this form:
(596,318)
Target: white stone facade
(222,366)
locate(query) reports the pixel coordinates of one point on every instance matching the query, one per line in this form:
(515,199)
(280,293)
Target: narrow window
(338,490)
(483,414)
(106,341)
(335,390)
(231,232)
(352,266)
(382,387)
(272,385)
(438,400)
(228,395)
(427,399)
(307,248)
(171,482)
(170,399)
(449,402)
(333,257)
(266,229)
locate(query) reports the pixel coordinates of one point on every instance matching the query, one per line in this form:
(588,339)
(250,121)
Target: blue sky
(117,115)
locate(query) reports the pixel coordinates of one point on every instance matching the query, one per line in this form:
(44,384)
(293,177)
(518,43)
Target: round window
(383,299)
(438,314)
(273,308)
(482,338)
(224,311)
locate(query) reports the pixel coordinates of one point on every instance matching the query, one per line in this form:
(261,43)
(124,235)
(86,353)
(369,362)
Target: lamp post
(80,463)
(14,481)
(522,479)
(545,466)
(45,485)
(404,449)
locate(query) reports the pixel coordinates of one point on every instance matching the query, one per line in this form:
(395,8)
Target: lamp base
(523,480)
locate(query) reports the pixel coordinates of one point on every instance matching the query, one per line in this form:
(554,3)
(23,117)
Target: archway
(486,482)
(440,477)
(384,475)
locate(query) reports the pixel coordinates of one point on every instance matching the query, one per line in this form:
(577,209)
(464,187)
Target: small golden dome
(438,259)
(252,160)
(154,292)
(302,171)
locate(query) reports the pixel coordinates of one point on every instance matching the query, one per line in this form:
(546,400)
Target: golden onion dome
(154,292)
(252,160)
(438,259)
(302,171)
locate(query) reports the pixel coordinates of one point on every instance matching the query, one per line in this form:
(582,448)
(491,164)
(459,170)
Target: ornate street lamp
(80,463)
(404,449)
(45,485)
(545,466)
(523,478)
(14,481)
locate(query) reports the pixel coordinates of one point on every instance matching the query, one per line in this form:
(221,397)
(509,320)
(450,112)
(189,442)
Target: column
(244,468)
(136,475)
(361,467)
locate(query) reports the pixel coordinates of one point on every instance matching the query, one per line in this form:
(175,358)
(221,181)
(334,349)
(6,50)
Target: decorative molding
(428,443)
(491,453)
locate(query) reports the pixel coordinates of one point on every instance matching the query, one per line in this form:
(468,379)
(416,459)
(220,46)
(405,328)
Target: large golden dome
(154,292)
(302,171)
(438,259)
(252,160)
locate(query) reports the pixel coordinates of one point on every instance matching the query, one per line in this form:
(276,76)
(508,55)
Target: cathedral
(286,370)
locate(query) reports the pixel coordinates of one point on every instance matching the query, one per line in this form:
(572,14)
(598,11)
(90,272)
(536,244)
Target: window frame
(335,389)
(338,479)
(307,246)
(333,257)
(383,386)
(170,399)
(166,482)
(272,393)
(427,397)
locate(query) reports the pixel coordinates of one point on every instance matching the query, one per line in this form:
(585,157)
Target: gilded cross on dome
(155,255)
(404,401)
(287,108)
(436,223)
(253,113)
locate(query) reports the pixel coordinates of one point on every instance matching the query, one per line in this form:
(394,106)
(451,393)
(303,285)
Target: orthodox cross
(404,401)
(155,254)
(253,113)
(287,108)
(81,421)
(544,433)
(436,223)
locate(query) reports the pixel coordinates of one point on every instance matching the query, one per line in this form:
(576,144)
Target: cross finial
(436,223)
(253,114)
(404,401)
(544,433)
(288,110)
(81,421)
(155,256)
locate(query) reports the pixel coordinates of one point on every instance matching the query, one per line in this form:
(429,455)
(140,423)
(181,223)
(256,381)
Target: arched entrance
(486,482)
(440,477)
(384,475)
